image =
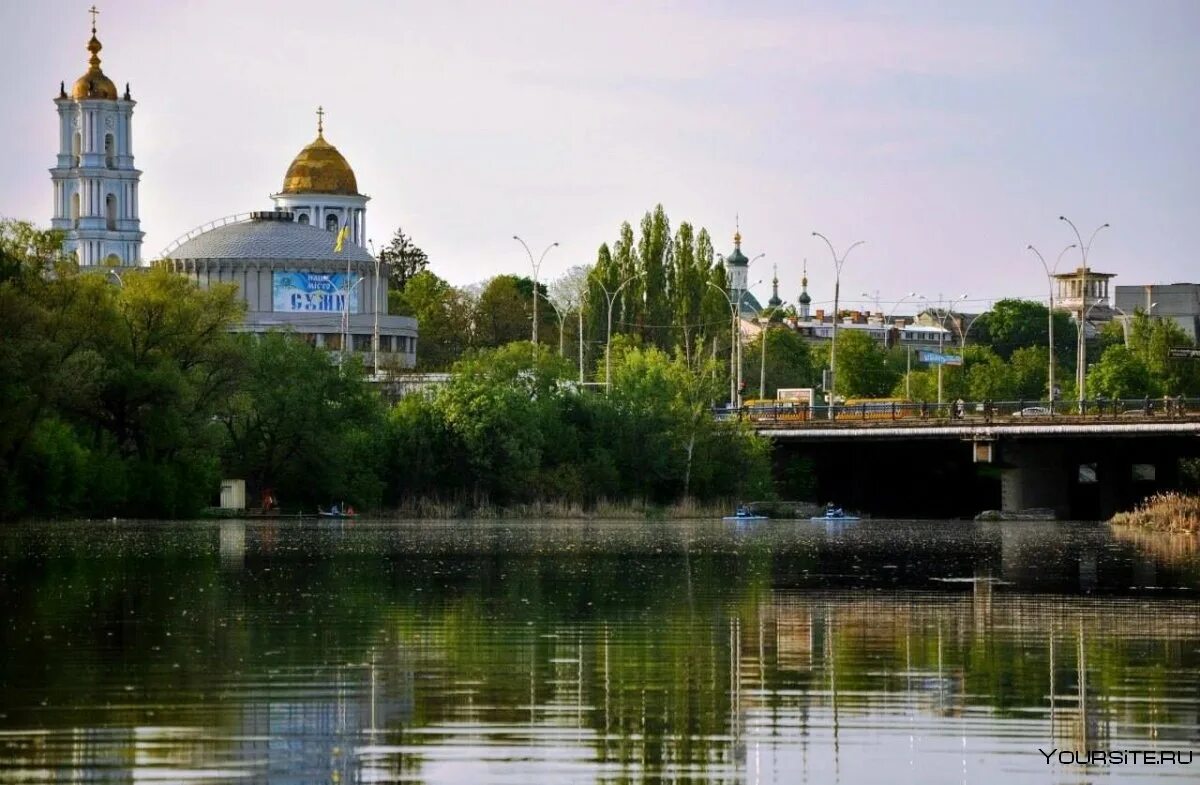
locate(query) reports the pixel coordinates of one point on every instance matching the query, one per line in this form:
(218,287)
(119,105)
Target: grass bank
(1164,512)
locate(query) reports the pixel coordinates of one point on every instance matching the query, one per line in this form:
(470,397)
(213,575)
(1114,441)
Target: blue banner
(936,358)
(321,292)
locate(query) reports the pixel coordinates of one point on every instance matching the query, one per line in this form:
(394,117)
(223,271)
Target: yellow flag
(342,234)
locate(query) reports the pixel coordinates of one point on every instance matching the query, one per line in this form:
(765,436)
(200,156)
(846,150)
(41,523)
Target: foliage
(312,442)
(443,314)
(1014,324)
(1121,373)
(404,260)
(789,362)
(862,367)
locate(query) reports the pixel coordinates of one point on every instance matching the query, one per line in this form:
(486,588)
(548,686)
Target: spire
(737,232)
(94,45)
(804,298)
(775,302)
(320,121)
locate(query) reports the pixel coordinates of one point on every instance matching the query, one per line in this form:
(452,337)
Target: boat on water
(835,514)
(744,515)
(337,512)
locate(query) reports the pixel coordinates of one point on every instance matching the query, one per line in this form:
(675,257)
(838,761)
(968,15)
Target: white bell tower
(95,183)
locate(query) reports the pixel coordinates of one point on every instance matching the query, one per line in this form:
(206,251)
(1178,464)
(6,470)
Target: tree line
(130,394)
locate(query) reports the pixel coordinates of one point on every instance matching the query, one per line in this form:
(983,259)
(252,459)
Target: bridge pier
(1035,475)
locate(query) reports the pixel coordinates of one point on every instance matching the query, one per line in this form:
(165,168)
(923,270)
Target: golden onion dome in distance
(320,168)
(94,84)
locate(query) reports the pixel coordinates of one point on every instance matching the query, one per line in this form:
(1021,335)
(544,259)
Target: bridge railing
(786,414)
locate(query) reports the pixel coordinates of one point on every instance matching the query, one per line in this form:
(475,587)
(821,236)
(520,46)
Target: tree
(1030,373)
(443,314)
(862,368)
(1015,324)
(404,259)
(303,428)
(789,361)
(1121,373)
(504,311)
(654,254)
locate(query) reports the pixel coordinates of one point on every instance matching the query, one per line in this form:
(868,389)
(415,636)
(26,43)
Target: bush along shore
(1165,512)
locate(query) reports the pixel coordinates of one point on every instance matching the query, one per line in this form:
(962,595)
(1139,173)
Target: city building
(300,267)
(1084,293)
(1179,302)
(95,182)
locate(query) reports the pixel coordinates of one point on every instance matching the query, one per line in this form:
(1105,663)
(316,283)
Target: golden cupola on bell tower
(95,182)
(320,189)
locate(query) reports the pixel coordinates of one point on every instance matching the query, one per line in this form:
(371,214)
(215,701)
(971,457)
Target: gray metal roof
(268,239)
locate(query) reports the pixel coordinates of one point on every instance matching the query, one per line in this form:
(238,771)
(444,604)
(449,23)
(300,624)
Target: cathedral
(301,266)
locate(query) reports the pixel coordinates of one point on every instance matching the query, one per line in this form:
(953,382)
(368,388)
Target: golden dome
(320,168)
(94,84)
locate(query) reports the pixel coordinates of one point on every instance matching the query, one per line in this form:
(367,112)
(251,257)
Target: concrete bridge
(900,460)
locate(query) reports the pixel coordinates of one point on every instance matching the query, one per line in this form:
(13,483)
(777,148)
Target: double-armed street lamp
(1084,309)
(1050,271)
(837,285)
(536,267)
(612,298)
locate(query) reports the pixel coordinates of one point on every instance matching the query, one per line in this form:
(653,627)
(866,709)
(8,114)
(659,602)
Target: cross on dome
(320,120)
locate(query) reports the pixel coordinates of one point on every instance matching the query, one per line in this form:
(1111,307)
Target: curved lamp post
(1081,340)
(837,286)
(612,298)
(558,314)
(1050,271)
(536,266)
(735,345)
(115,274)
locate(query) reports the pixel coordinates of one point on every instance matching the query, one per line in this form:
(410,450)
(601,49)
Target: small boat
(745,515)
(835,514)
(336,512)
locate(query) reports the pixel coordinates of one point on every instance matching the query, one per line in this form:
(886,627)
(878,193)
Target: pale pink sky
(948,136)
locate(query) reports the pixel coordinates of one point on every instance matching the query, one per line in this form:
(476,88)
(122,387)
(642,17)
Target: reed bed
(1164,512)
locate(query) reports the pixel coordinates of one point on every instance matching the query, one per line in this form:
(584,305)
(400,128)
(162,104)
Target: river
(567,651)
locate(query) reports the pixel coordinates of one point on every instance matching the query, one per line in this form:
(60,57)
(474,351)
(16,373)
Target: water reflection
(541,652)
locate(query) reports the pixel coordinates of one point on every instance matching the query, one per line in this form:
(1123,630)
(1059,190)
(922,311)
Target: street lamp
(762,365)
(557,313)
(1125,320)
(837,287)
(1080,350)
(735,341)
(612,298)
(115,274)
(536,266)
(1050,271)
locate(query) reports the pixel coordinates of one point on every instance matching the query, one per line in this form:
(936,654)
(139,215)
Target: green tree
(303,428)
(443,314)
(504,312)
(1121,373)
(654,254)
(1014,324)
(404,259)
(789,361)
(862,367)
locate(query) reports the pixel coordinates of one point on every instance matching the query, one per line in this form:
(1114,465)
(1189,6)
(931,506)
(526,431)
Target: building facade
(1179,302)
(95,182)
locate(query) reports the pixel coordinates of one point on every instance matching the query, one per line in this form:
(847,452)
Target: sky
(947,136)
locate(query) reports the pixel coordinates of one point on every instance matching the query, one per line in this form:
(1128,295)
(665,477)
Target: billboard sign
(936,358)
(1184,352)
(313,292)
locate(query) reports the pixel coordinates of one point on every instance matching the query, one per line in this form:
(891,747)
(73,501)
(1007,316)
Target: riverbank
(1164,512)
(562,510)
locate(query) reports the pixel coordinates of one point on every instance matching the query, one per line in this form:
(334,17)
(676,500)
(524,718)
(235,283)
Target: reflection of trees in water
(1168,548)
(667,655)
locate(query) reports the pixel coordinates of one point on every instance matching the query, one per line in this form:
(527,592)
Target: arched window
(303,219)
(110,211)
(75,209)
(331,223)
(76,148)
(110,151)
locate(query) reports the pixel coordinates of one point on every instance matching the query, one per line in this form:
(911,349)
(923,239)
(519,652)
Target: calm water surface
(558,652)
